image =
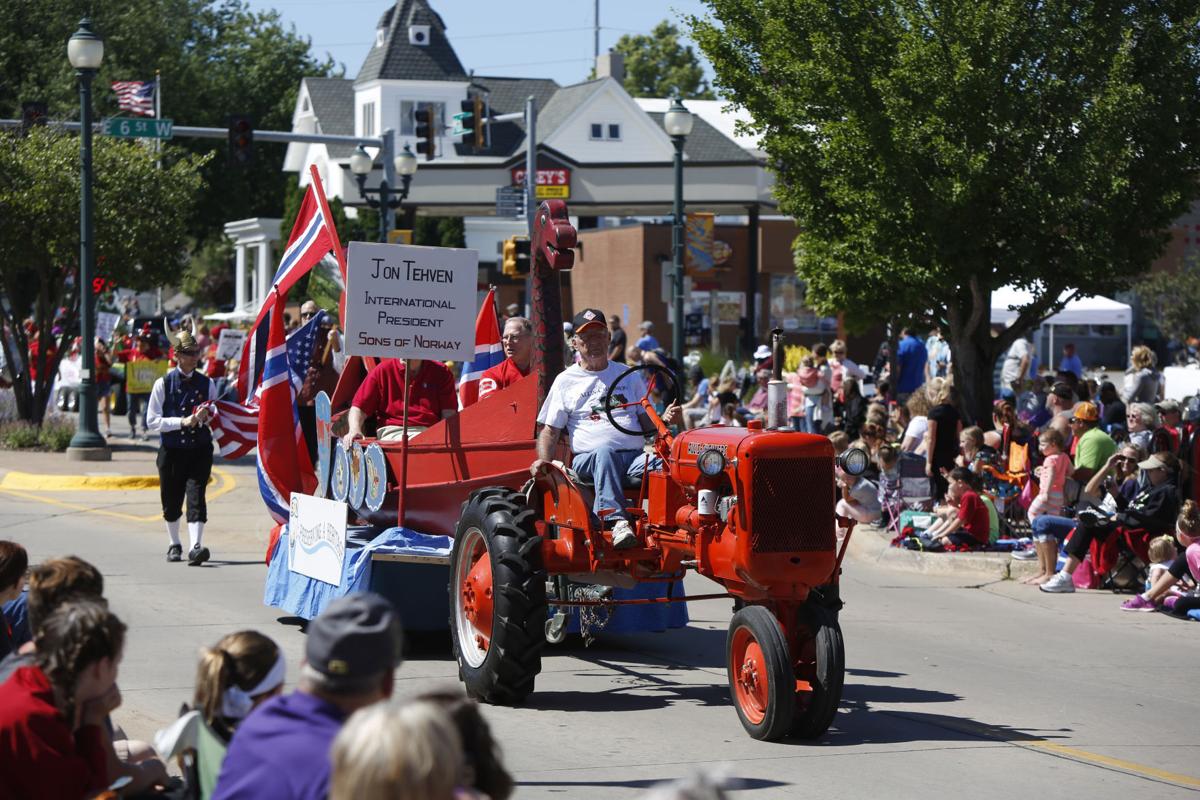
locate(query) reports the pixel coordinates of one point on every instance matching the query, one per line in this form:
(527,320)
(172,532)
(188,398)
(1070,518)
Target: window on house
(597,131)
(305,106)
(408,122)
(605,132)
(614,131)
(368,119)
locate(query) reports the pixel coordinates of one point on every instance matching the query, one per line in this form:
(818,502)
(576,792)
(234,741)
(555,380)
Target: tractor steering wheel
(644,400)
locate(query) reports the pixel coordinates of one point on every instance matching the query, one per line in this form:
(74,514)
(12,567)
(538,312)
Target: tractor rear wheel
(497,597)
(760,673)
(821,663)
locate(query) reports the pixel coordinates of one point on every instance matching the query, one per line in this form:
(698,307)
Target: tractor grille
(792,505)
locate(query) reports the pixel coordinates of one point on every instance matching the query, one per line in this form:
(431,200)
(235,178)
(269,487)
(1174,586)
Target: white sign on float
(405,301)
(317,538)
(230,343)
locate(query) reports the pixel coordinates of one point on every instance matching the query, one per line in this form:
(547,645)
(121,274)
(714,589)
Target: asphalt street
(954,686)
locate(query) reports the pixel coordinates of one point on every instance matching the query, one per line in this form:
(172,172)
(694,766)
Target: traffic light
(426,132)
(516,257)
(472,120)
(33,113)
(241,139)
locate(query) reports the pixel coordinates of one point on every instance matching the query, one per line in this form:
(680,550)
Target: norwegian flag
(313,236)
(283,463)
(234,428)
(488,352)
(136,97)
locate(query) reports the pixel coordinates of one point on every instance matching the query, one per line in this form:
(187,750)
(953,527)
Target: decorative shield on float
(324,413)
(376,477)
(358,476)
(339,485)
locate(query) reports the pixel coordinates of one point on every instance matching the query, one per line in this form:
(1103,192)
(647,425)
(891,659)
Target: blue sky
(492,37)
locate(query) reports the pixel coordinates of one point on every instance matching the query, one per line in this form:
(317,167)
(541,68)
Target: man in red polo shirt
(431,397)
(518,346)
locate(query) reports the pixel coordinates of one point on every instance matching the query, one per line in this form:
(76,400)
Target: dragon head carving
(554,236)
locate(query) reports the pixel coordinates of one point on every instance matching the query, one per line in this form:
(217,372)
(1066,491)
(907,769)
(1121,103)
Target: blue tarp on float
(306,597)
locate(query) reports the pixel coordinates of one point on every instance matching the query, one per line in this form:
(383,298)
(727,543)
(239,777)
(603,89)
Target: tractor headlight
(711,462)
(854,461)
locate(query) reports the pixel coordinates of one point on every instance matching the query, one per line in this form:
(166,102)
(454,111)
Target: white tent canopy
(1080,311)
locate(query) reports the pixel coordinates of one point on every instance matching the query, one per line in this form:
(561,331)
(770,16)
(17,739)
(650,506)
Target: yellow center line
(1115,763)
(227,485)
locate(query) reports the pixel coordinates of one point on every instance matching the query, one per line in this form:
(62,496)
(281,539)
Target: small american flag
(300,348)
(234,427)
(136,97)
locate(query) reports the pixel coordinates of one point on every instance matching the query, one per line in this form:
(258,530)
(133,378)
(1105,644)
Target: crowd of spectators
(340,734)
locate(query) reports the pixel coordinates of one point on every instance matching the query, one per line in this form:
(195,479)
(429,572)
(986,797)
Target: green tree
(659,66)
(933,152)
(216,57)
(1172,301)
(39,238)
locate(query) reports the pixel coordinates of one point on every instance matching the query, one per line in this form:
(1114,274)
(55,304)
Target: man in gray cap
(282,749)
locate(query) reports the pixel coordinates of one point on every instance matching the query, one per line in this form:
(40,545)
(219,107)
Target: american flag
(234,428)
(300,348)
(136,97)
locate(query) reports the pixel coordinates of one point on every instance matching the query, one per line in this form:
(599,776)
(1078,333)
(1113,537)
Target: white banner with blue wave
(317,538)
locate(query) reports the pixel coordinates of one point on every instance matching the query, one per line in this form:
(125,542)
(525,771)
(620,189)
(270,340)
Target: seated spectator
(235,676)
(1091,447)
(350,655)
(1141,420)
(757,406)
(397,751)
(431,398)
(1170,424)
(887,463)
(729,416)
(964,521)
(483,769)
(697,411)
(1052,479)
(1153,510)
(14,562)
(840,442)
(970,445)
(1031,404)
(1187,532)
(860,498)
(871,438)
(53,739)
(918,406)
(1112,410)
(1161,552)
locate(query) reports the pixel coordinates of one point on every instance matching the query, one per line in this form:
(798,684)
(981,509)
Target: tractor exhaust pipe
(777,416)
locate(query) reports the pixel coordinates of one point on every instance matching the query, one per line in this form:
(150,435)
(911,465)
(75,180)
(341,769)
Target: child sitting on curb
(1187,532)
(964,522)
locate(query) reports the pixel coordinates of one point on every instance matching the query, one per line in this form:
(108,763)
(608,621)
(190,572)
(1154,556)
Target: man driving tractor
(602,455)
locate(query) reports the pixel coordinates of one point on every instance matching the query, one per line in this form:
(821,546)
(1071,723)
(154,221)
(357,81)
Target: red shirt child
(973,515)
(40,756)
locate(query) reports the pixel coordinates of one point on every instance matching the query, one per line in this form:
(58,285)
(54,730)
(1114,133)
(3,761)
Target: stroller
(916,491)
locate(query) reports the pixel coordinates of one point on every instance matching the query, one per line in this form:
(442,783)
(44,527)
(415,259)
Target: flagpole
(400,499)
(158,112)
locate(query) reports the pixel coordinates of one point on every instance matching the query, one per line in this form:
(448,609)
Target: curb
(870,543)
(30,482)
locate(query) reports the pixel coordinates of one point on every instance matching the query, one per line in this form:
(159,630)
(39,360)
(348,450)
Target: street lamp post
(404,165)
(85,51)
(678,124)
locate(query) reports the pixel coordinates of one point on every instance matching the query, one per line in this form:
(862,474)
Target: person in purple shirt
(911,357)
(281,751)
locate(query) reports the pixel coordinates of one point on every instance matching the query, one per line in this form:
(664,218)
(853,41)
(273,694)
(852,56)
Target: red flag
(283,463)
(488,352)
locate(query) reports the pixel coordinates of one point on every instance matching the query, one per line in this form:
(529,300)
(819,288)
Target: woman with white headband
(241,671)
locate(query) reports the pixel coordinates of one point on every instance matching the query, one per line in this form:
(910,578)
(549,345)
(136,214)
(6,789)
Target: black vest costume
(180,398)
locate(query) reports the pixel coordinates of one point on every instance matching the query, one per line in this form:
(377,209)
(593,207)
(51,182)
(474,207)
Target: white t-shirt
(917,427)
(576,403)
(1021,348)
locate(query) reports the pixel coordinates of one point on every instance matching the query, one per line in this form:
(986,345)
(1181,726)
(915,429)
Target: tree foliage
(216,58)
(1172,300)
(934,151)
(658,65)
(137,247)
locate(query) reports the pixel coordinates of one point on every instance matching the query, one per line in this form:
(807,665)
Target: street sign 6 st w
(129,128)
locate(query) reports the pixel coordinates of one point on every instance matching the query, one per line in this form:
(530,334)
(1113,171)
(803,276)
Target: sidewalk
(873,544)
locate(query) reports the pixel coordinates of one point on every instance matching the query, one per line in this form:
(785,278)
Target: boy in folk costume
(185,453)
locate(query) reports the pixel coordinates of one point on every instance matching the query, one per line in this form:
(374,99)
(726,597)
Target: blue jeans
(138,403)
(607,469)
(1049,528)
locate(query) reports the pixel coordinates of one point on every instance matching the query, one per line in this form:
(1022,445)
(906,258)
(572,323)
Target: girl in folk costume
(185,454)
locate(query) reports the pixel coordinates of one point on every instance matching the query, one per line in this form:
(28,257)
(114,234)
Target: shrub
(18,435)
(56,434)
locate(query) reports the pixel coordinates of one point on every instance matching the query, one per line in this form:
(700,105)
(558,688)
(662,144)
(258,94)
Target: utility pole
(596,32)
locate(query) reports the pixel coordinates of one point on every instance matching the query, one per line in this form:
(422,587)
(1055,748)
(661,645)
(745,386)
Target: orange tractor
(750,508)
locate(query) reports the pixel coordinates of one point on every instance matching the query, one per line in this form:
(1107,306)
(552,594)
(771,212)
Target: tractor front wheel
(821,664)
(760,673)
(497,597)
